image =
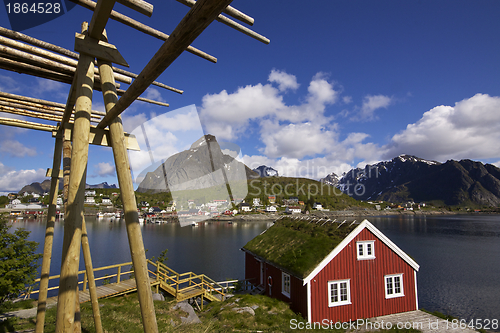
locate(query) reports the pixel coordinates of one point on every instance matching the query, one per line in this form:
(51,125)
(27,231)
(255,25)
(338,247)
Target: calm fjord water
(459,256)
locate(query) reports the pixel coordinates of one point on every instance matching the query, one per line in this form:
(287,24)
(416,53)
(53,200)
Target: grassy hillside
(307,190)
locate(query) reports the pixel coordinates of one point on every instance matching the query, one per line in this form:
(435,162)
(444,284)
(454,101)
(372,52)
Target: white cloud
(103,169)
(15,148)
(228,116)
(470,129)
(8,84)
(284,80)
(132,122)
(14,180)
(296,140)
(154,94)
(370,104)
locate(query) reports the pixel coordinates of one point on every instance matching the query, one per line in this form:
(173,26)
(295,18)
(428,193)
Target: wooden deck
(181,286)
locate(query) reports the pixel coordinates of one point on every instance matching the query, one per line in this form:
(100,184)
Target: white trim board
(365,224)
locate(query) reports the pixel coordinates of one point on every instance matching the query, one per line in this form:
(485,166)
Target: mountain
(265,171)
(101,185)
(409,178)
(44,187)
(202,166)
(331,179)
(38,188)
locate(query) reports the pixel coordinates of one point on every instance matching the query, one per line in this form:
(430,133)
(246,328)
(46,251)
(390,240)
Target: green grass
(298,246)
(122,314)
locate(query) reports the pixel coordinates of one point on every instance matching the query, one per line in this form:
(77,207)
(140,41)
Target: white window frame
(338,286)
(363,248)
(391,285)
(285,287)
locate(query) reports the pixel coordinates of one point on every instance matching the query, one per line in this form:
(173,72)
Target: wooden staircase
(187,285)
(181,286)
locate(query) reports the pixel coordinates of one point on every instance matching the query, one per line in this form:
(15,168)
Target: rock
(244,309)
(255,307)
(158,297)
(192,318)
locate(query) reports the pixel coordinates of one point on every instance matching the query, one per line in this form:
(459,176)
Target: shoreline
(342,214)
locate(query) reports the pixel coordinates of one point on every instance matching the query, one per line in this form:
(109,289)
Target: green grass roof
(296,245)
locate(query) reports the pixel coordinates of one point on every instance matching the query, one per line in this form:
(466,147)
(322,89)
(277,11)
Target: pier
(182,287)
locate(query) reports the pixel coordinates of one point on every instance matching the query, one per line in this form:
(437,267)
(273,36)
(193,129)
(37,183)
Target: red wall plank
(366,283)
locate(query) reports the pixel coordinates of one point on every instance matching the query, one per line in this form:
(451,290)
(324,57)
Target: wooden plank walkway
(103,291)
(181,286)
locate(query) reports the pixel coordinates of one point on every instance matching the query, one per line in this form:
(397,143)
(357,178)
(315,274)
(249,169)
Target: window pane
(389,285)
(397,285)
(360,249)
(369,249)
(334,293)
(343,291)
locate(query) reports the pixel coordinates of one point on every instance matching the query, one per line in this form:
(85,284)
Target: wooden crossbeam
(89,4)
(38,102)
(98,49)
(140,6)
(191,26)
(26,124)
(98,137)
(51,47)
(50,173)
(100,18)
(230,23)
(54,56)
(35,112)
(231,11)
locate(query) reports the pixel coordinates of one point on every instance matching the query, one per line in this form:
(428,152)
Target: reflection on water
(459,256)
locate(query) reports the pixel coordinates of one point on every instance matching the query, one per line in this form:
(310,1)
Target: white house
(106,200)
(293,210)
(245,207)
(317,206)
(271,209)
(88,200)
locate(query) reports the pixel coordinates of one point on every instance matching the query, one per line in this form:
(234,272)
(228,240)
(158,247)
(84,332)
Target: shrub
(18,261)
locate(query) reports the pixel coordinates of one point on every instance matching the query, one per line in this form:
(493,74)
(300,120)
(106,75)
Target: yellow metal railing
(186,282)
(119,273)
(181,286)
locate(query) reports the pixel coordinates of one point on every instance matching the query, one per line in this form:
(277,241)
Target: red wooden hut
(334,271)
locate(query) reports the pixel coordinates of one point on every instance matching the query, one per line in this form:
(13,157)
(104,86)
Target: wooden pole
(143,28)
(76,196)
(38,108)
(41,102)
(40,53)
(191,26)
(139,6)
(90,275)
(36,42)
(231,11)
(66,171)
(34,64)
(49,237)
(27,124)
(16,66)
(129,204)
(230,23)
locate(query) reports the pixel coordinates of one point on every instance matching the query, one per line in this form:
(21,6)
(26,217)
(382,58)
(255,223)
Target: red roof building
(328,270)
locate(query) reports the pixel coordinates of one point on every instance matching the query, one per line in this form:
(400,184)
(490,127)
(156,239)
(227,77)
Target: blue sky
(342,84)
